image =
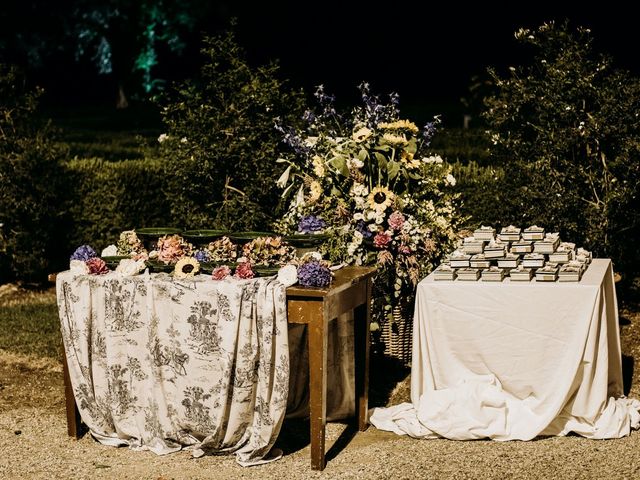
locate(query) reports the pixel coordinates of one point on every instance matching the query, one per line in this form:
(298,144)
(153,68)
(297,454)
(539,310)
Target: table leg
(362,343)
(318,386)
(73,415)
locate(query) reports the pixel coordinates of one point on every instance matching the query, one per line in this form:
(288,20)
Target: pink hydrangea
(243,270)
(381,240)
(170,249)
(97,266)
(396,220)
(220,273)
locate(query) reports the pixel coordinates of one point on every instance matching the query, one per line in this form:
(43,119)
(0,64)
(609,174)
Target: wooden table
(349,291)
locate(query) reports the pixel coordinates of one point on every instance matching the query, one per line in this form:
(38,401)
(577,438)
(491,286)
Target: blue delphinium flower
(83,253)
(311,224)
(314,274)
(202,256)
(362,227)
(429,131)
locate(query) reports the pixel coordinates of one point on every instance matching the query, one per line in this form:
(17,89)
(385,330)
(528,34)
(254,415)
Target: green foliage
(109,197)
(221,145)
(30,176)
(567,133)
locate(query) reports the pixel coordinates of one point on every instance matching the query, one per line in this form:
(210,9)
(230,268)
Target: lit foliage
(220,143)
(567,130)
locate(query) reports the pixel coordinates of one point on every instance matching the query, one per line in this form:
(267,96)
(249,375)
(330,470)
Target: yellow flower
(318,166)
(315,191)
(400,125)
(361,134)
(409,162)
(186,267)
(395,140)
(380,199)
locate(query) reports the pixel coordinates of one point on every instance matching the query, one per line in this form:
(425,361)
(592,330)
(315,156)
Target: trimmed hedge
(108,197)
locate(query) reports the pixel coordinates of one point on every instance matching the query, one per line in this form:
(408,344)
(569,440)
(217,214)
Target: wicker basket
(398,336)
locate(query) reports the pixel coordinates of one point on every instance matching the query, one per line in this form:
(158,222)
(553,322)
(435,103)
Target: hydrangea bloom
(97,266)
(314,274)
(381,239)
(244,270)
(83,253)
(203,256)
(220,273)
(311,224)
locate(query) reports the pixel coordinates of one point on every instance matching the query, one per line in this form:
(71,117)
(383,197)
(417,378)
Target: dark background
(426,51)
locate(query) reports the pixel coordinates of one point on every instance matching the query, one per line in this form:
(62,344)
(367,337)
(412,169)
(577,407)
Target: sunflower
(380,199)
(399,125)
(186,267)
(395,140)
(361,134)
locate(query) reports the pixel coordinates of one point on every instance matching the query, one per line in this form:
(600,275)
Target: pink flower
(396,220)
(404,249)
(381,239)
(97,266)
(220,273)
(170,248)
(243,270)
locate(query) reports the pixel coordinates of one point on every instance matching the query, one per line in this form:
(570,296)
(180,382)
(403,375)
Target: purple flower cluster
(362,227)
(314,274)
(203,256)
(83,253)
(376,112)
(291,138)
(429,131)
(311,224)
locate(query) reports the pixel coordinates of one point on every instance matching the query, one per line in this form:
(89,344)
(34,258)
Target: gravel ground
(34,444)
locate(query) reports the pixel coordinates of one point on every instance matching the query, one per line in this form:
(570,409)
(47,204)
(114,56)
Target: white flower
(110,251)
(371,214)
(183,140)
(311,256)
(357,237)
(78,267)
(129,267)
(433,159)
(359,190)
(163,137)
(373,227)
(450,180)
(310,141)
(358,216)
(288,275)
(355,164)
(351,249)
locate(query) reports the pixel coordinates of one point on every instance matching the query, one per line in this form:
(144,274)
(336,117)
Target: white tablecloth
(511,361)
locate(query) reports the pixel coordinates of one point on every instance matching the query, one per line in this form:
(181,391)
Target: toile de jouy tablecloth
(159,363)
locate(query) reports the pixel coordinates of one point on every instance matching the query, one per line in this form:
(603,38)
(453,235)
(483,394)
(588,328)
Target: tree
(567,131)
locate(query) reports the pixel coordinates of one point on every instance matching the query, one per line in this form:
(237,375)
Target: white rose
(373,227)
(110,251)
(288,275)
(78,267)
(128,267)
(357,237)
(358,216)
(371,215)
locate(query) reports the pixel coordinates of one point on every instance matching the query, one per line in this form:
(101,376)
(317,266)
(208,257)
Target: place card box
(533,260)
(493,275)
(522,246)
(569,274)
(444,273)
(584,253)
(476,246)
(521,275)
(561,256)
(494,251)
(461,261)
(479,261)
(484,233)
(509,261)
(546,274)
(533,233)
(468,274)
(544,247)
(509,234)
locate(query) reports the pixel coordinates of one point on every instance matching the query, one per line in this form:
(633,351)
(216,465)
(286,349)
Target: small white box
(533,232)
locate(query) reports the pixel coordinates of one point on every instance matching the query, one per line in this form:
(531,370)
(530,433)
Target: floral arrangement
(129,244)
(84,260)
(268,251)
(314,272)
(222,250)
(243,271)
(172,248)
(367,180)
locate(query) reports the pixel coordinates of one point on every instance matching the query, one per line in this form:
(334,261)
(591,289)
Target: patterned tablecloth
(158,363)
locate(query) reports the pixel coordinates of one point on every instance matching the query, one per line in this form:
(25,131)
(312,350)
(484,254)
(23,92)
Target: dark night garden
(286,144)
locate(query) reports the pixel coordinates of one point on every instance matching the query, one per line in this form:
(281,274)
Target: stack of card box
(516,253)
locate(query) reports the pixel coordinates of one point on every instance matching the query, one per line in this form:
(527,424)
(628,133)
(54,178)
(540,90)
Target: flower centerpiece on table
(129,244)
(84,260)
(368,178)
(222,250)
(268,251)
(171,248)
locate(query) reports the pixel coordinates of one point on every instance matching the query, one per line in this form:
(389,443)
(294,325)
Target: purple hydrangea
(363,228)
(314,274)
(83,253)
(311,224)
(202,256)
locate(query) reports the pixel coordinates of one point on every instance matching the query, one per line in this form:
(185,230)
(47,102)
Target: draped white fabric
(158,363)
(512,361)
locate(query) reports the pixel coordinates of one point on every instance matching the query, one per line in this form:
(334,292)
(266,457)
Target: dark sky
(426,51)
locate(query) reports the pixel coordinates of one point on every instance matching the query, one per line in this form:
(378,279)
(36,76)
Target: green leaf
(382,161)
(339,163)
(363,155)
(392,169)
